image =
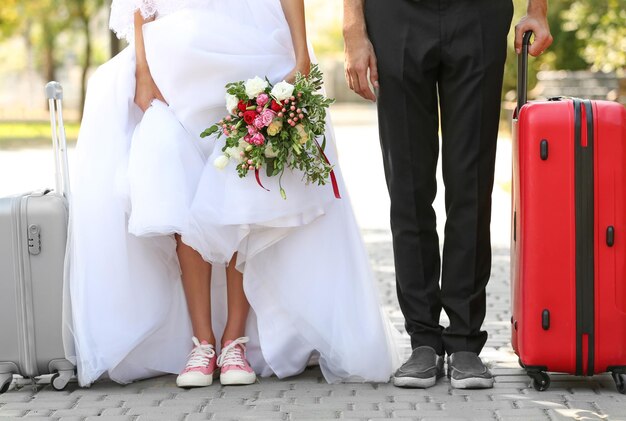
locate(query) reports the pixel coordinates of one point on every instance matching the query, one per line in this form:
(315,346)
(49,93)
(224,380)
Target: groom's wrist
(354,32)
(537,8)
(354,19)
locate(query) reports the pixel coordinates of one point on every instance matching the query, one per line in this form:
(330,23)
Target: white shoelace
(201,354)
(232,353)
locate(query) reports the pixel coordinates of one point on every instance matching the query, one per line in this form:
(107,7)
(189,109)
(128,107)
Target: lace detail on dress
(122,20)
(148,8)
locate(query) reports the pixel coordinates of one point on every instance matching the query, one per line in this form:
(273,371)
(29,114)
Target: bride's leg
(235,369)
(196,275)
(238,306)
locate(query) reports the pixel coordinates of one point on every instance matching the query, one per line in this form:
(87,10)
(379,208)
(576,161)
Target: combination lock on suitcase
(568,248)
(33,238)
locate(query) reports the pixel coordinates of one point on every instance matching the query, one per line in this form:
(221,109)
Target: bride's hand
(146,90)
(302,66)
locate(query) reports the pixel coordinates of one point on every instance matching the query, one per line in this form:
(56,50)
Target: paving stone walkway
(308,397)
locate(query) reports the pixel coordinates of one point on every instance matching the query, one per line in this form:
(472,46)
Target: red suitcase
(568,242)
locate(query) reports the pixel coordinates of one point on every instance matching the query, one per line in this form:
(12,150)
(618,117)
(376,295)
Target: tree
(44,20)
(9,18)
(81,13)
(600,28)
(115,44)
(564,53)
(40,22)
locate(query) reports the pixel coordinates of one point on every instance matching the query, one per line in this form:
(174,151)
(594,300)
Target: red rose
(249,116)
(242,106)
(276,107)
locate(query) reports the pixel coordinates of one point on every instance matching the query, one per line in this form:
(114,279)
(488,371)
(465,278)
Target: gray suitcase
(33,237)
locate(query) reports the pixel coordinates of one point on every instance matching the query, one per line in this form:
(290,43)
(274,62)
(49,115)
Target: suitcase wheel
(5,382)
(541,380)
(60,380)
(620,382)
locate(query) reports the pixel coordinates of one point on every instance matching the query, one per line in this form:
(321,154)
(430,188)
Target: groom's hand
(536,21)
(360,56)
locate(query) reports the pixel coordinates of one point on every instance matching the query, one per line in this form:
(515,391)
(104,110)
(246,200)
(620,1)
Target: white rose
(234,153)
(270,152)
(282,91)
(221,162)
(231,102)
(255,86)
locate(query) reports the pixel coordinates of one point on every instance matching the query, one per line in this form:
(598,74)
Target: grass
(31,134)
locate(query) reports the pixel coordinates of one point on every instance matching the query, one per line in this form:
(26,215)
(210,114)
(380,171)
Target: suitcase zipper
(585,223)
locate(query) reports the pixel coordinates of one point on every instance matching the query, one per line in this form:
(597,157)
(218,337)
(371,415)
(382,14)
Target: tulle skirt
(141,177)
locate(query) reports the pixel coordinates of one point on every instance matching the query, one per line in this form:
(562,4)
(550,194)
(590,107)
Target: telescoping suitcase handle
(522,71)
(54,94)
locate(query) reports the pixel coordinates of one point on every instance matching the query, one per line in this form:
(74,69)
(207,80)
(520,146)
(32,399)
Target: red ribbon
(258,178)
(333,178)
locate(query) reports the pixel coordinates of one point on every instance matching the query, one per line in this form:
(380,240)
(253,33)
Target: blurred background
(66,40)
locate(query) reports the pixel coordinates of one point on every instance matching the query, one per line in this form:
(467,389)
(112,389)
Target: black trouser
(443,55)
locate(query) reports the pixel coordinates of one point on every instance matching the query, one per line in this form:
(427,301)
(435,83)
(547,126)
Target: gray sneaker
(467,371)
(421,370)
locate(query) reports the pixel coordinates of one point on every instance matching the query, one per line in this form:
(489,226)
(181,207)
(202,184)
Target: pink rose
(248,138)
(262,99)
(267,117)
(258,139)
(258,122)
(252,130)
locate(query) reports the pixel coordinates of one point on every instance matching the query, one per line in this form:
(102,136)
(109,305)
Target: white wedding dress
(138,178)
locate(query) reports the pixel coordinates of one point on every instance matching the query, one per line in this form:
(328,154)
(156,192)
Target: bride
(165,247)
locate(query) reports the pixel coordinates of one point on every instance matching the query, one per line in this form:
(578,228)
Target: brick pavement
(308,397)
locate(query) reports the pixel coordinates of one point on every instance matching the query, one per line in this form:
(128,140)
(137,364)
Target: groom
(432,61)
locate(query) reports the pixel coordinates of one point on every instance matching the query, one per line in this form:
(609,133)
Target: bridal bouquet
(276,127)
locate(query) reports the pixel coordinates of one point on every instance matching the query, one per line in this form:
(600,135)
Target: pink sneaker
(234,368)
(201,366)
